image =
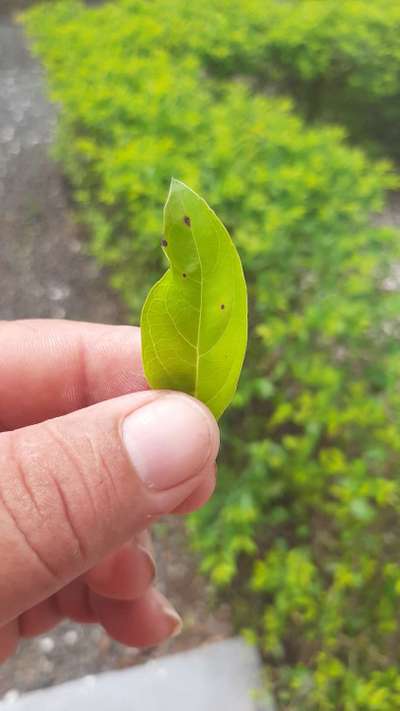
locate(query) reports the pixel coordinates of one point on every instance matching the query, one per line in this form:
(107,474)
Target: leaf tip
(177,185)
(174,187)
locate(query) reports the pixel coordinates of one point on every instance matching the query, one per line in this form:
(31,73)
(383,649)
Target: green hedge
(338,60)
(303,531)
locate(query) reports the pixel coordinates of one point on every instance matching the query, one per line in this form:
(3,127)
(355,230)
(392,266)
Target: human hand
(89,458)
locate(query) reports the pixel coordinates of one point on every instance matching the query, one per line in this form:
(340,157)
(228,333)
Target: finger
(73,601)
(9,636)
(50,368)
(201,495)
(125,574)
(40,619)
(74,489)
(142,623)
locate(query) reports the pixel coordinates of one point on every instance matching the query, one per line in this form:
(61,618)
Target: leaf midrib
(201,305)
(200,316)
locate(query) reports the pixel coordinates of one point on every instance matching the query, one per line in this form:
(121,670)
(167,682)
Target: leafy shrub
(303,530)
(338,60)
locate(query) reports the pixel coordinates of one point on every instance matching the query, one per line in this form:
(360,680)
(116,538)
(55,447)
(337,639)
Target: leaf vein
(174,322)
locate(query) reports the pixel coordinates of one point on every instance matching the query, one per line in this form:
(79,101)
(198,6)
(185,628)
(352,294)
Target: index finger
(49,368)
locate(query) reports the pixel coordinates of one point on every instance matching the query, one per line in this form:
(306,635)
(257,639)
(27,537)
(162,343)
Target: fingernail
(144,539)
(144,543)
(174,619)
(150,560)
(170,439)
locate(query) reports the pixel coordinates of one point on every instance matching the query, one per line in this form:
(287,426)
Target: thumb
(74,488)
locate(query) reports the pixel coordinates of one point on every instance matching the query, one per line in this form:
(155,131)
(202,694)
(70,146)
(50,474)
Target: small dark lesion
(187,220)
(184,275)
(164,243)
(222,307)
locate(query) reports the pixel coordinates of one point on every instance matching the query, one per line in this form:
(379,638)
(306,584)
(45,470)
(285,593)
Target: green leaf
(194,320)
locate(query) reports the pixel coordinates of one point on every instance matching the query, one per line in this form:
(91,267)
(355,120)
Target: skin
(74,508)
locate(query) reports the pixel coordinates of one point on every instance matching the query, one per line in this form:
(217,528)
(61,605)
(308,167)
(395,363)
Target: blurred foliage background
(237,98)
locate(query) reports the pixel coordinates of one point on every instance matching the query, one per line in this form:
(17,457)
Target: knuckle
(21,508)
(77,506)
(65,494)
(90,482)
(47,497)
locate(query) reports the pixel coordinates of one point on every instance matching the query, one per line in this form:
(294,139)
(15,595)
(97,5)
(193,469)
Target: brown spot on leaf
(164,243)
(187,221)
(184,275)
(222,307)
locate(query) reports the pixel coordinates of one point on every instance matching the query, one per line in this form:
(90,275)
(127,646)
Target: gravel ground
(44,272)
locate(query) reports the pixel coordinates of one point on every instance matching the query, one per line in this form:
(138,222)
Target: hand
(89,458)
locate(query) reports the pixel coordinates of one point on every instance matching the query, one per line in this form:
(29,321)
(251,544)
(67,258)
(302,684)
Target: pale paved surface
(216,677)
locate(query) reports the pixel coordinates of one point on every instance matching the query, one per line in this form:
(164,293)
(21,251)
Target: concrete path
(215,677)
(43,269)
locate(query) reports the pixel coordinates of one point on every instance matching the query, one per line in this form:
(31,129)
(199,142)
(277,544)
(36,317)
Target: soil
(45,271)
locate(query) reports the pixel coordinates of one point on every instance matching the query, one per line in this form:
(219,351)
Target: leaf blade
(194,320)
